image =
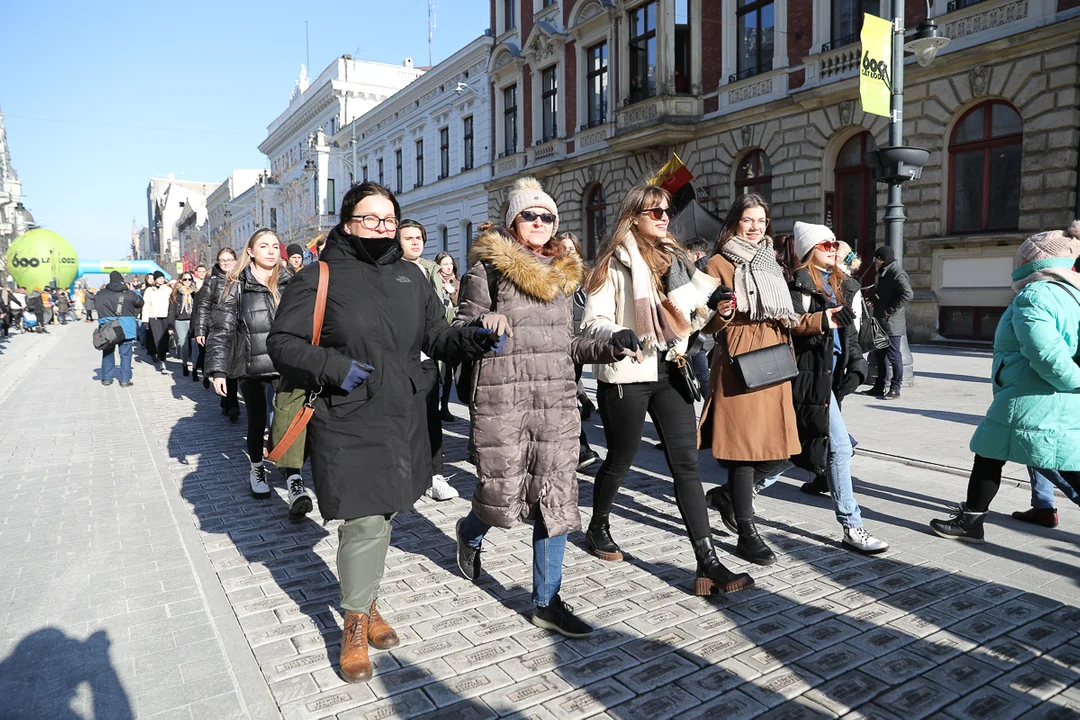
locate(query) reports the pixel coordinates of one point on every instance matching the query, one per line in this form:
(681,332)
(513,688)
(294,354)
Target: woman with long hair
(181,306)
(207,298)
(646,288)
(753,430)
(368,438)
(444,278)
(244,315)
(524,410)
(155,312)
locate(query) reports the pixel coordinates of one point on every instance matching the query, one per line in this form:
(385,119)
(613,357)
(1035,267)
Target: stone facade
(802,113)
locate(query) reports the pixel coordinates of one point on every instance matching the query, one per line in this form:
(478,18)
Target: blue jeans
(1042,488)
(839,475)
(547,555)
(108,362)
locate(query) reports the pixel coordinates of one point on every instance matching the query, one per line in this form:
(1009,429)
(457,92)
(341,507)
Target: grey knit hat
(526,193)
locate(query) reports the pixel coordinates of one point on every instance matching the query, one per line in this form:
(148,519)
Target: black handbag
(766,366)
(106,337)
(682,378)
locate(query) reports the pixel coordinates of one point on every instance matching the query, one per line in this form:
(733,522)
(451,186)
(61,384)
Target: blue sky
(99,100)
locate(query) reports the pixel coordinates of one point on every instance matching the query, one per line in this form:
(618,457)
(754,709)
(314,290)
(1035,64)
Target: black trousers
(985,479)
(743,476)
(231,399)
(256,399)
(623,408)
(434,418)
(447,383)
(891,357)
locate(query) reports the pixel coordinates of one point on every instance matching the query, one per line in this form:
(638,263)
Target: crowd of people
(744,345)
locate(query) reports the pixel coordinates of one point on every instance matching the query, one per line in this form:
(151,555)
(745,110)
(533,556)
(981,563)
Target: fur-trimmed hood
(539,277)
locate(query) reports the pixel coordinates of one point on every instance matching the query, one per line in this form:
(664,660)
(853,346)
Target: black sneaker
(559,617)
(106,382)
(963,525)
(893,395)
(587,458)
(468,557)
(126,384)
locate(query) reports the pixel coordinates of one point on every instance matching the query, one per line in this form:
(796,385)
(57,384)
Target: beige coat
(737,424)
(525,419)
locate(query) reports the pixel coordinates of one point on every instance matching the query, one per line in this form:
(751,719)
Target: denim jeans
(108,362)
(547,555)
(894,359)
(1042,488)
(839,475)
(182,329)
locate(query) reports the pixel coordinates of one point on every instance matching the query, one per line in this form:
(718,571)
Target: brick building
(592,96)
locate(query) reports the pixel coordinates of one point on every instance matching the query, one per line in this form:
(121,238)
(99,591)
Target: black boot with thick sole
(712,576)
(751,546)
(598,540)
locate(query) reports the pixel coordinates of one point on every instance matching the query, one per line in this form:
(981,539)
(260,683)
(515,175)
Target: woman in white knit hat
(1034,418)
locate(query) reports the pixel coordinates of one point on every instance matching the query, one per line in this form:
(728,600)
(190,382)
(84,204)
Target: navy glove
(488,340)
(625,339)
(720,294)
(358,373)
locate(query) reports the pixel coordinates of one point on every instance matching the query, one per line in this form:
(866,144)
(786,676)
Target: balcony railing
(747,73)
(955,5)
(844,41)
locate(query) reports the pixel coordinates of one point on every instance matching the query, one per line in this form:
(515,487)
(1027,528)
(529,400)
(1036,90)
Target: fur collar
(542,278)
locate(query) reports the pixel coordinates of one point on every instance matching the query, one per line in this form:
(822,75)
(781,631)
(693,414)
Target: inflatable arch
(125,267)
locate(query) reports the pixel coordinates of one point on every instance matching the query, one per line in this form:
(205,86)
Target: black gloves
(625,339)
(720,294)
(844,317)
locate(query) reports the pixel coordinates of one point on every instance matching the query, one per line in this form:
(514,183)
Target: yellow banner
(875,71)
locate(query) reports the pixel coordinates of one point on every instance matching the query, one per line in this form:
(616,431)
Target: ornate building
(592,96)
(15,219)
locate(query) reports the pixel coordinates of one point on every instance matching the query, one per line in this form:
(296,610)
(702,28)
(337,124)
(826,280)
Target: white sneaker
(440,489)
(858,539)
(299,498)
(259,488)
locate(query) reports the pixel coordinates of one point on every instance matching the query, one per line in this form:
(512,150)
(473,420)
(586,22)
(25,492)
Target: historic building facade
(593,96)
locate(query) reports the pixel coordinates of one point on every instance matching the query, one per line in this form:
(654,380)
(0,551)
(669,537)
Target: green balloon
(41,258)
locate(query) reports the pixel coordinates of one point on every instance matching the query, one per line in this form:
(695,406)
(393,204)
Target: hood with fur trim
(539,277)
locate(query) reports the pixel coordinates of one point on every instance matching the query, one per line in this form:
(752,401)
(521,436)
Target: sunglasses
(186,279)
(655,213)
(530,216)
(829,246)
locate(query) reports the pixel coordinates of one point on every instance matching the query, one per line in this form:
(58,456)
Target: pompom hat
(526,193)
(1063,244)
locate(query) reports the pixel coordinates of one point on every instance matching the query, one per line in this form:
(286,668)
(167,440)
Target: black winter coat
(243,315)
(891,298)
(370,453)
(817,379)
(208,296)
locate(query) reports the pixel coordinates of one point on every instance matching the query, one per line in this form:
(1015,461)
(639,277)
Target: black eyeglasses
(372,222)
(530,216)
(655,213)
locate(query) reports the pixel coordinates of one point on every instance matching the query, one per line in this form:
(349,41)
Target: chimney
(408,63)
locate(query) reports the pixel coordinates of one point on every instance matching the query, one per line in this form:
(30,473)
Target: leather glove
(489,340)
(720,294)
(844,316)
(625,339)
(358,373)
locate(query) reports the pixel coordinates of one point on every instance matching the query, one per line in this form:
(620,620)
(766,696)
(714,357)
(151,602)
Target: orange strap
(299,423)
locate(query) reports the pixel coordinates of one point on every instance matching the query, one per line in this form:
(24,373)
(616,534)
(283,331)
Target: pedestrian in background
(206,301)
(156,314)
(116,302)
(1034,418)
(892,295)
(88,304)
(367,435)
(181,306)
(294,258)
(445,281)
(525,421)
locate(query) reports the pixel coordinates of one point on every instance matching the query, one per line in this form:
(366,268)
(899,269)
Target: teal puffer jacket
(1034,418)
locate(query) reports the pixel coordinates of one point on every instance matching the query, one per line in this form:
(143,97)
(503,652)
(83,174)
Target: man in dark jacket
(117,302)
(890,308)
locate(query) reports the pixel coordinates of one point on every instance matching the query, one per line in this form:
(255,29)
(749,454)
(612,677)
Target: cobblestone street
(140,579)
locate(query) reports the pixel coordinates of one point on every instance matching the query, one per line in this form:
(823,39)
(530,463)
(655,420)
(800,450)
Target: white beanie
(808,235)
(528,193)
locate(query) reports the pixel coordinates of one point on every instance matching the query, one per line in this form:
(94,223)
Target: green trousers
(361,558)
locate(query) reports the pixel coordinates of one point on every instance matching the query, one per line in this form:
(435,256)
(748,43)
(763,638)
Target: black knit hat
(294,249)
(158,274)
(116,277)
(885,253)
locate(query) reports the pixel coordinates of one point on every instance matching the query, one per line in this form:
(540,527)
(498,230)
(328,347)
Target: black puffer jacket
(205,300)
(817,378)
(244,314)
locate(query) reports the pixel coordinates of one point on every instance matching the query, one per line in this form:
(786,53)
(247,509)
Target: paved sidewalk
(131,517)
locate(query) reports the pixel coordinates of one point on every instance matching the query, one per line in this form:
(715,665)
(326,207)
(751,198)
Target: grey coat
(525,419)
(893,295)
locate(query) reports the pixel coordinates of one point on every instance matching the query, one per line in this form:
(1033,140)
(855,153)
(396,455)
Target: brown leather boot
(355,665)
(379,633)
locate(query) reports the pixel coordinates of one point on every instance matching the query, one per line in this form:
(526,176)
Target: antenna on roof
(307,45)
(430,28)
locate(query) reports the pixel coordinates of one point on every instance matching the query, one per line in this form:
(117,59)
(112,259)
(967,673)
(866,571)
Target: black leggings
(447,382)
(985,480)
(434,418)
(743,476)
(623,408)
(254,391)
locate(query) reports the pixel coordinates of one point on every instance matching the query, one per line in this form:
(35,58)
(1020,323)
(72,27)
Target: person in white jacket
(156,315)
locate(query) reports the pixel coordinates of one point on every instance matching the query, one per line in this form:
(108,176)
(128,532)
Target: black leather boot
(751,546)
(720,497)
(598,541)
(712,576)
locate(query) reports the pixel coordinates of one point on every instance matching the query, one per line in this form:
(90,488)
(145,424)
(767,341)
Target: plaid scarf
(666,315)
(760,288)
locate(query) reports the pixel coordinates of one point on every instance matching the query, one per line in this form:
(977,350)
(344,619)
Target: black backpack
(465,377)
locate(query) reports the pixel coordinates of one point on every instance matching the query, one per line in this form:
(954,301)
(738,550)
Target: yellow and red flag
(673,176)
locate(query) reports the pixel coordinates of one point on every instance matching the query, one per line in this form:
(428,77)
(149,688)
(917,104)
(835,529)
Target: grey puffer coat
(525,419)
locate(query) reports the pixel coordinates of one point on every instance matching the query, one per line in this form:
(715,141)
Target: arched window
(856,200)
(595,219)
(754,175)
(986,144)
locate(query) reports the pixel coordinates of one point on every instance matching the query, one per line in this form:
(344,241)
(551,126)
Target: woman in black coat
(368,441)
(205,301)
(236,348)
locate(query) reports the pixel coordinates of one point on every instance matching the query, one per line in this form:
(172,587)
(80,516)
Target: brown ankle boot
(380,634)
(355,665)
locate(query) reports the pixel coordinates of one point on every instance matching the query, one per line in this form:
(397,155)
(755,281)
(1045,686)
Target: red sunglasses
(829,245)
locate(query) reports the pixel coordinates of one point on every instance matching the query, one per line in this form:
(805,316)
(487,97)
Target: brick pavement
(930,629)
